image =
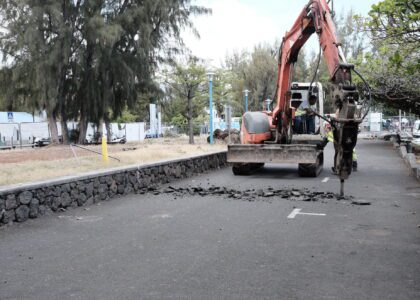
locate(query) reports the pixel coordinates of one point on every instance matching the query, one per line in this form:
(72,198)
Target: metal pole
(211,109)
(228,121)
(246,100)
(210,75)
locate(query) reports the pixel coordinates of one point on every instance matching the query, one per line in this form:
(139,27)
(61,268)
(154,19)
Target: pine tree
(89,59)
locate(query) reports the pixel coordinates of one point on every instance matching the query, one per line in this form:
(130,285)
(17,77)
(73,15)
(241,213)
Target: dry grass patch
(41,164)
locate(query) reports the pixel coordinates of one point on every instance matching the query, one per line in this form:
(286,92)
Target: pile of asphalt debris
(291,194)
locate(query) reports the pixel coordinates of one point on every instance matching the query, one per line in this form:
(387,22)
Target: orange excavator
(268,136)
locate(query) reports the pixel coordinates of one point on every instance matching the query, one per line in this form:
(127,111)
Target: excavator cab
(310,97)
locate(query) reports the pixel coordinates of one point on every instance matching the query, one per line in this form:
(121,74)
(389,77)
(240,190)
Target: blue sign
(10,116)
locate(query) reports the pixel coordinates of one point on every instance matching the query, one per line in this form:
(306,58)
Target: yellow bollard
(104,149)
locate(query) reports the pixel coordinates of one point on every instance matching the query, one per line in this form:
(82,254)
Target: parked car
(96,139)
(40,142)
(115,139)
(93,139)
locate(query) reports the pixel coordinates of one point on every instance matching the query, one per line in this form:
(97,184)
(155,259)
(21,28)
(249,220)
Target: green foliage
(255,71)
(348,33)
(185,81)
(393,66)
(181,123)
(222,90)
(396,21)
(126,117)
(179,120)
(301,69)
(90,59)
(186,89)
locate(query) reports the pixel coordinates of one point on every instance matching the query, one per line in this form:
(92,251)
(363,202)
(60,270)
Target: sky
(242,24)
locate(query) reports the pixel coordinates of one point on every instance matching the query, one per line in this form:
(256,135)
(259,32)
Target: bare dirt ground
(33,164)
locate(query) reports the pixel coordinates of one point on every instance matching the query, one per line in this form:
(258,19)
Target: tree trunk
(108,130)
(62,71)
(52,124)
(65,132)
(83,96)
(82,128)
(101,129)
(190,121)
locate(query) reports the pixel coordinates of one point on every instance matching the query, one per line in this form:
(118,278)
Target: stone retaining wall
(18,203)
(409,160)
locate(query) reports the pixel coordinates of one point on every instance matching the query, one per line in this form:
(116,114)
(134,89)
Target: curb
(409,160)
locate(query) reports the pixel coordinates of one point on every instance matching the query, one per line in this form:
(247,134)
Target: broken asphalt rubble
(267,195)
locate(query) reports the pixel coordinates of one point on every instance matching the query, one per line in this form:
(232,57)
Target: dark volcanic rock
(11,202)
(55,203)
(25,197)
(42,209)
(8,216)
(65,199)
(360,202)
(89,190)
(81,199)
(22,213)
(34,208)
(121,189)
(114,187)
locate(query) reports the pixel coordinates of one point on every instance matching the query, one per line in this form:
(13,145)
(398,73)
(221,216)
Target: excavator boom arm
(315,17)
(257,127)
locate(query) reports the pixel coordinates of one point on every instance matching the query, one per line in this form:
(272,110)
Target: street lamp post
(210,76)
(228,117)
(246,92)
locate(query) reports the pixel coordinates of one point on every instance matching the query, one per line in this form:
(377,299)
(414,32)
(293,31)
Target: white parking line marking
(297,211)
(294,213)
(312,214)
(325,179)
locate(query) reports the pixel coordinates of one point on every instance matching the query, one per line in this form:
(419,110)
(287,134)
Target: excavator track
(246,169)
(312,170)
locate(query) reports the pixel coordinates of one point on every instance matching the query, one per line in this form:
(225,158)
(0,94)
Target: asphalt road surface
(214,247)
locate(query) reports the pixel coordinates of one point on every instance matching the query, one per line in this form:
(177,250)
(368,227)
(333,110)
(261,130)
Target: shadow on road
(277,171)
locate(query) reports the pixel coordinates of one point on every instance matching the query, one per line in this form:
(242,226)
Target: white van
(416,129)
